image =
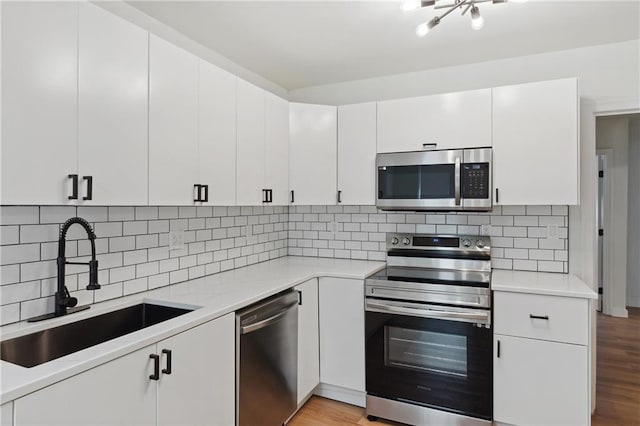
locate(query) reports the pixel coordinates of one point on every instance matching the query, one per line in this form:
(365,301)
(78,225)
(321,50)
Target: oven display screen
(436,242)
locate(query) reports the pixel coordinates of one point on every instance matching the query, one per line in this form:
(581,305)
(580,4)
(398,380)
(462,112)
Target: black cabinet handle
(74,190)
(269,195)
(498,349)
(292,196)
(497,196)
(542,317)
(264,195)
(197,188)
(156,367)
(167,352)
(299,297)
(89,180)
(339,196)
(206,193)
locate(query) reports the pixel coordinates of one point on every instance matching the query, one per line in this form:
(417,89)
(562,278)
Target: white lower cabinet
(6,414)
(196,387)
(308,340)
(541,362)
(201,387)
(540,383)
(118,392)
(342,333)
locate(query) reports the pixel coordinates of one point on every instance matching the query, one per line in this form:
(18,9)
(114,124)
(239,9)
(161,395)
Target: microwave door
(420,180)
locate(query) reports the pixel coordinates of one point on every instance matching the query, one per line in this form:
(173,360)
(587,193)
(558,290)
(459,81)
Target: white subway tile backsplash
(10,313)
(39,233)
(35,307)
(9,235)
(108,292)
(122,243)
(538,210)
(13,293)
(108,229)
(135,286)
(134,257)
(146,213)
(37,270)
(19,215)
(93,213)
(56,214)
(19,253)
(119,214)
(9,274)
(134,228)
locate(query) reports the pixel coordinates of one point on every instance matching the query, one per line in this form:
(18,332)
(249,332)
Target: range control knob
(466,243)
(394,241)
(480,243)
(406,241)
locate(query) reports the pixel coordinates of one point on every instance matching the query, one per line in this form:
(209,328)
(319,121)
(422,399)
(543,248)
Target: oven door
(442,359)
(419,180)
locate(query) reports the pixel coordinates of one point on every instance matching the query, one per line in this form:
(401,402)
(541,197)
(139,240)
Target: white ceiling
(298,44)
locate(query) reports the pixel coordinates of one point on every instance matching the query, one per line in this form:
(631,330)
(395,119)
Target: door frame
(607,276)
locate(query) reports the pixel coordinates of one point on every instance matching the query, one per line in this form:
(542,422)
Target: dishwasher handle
(267,321)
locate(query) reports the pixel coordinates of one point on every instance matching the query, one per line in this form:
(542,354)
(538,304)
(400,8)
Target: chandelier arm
(467,8)
(457,5)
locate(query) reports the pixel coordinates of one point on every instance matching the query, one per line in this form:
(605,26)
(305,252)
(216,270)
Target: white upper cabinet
(313,153)
(113,96)
(217,134)
(250,170)
(357,154)
(277,148)
(173,124)
(39,101)
(535,143)
(450,120)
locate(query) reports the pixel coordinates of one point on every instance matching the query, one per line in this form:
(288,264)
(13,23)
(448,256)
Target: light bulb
(409,5)
(477,21)
(422,30)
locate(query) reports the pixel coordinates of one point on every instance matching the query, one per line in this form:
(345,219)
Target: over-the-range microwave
(446,180)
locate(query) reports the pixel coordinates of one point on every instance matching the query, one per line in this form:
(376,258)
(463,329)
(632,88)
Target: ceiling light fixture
(477,21)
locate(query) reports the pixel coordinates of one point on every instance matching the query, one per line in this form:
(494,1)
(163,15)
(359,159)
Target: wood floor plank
(617,382)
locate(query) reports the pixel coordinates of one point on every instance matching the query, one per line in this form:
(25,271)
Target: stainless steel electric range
(428,331)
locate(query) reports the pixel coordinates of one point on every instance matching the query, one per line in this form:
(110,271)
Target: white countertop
(551,284)
(215,295)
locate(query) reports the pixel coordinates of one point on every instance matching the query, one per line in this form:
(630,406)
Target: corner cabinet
(536,152)
(450,120)
(195,385)
(541,363)
(313,154)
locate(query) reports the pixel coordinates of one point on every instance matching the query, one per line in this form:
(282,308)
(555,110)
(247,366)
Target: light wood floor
(617,382)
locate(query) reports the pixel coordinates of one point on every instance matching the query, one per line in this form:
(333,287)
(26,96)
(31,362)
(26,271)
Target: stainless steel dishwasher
(267,361)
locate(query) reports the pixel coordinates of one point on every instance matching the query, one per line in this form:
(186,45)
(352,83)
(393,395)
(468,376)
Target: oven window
(417,182)
(426,351)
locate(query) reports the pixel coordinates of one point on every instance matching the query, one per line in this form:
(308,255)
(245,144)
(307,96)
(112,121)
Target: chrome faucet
(63,299)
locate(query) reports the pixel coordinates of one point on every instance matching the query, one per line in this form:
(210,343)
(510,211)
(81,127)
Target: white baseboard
(633,302)
(341,394)
(620,312)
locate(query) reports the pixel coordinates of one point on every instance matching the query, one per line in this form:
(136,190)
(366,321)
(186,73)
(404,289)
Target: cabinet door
(308,339)
(341,304)
(217,134)
(357,153)
(450,120)
(39,101)
(118,392)
(113,100)
(251,149)
(536,382)
(173,124)
(313,153)
(535,143)
(201,387)
(6,414)
(277,148)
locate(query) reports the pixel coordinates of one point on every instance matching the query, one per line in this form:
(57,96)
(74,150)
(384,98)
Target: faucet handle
(93,276)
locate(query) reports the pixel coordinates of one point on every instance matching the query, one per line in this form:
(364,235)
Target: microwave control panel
(475,180)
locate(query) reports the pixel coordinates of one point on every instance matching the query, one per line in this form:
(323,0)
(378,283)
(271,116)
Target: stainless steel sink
(43,346)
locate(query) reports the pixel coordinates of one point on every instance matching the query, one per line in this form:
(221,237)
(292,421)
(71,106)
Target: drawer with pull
(553,318)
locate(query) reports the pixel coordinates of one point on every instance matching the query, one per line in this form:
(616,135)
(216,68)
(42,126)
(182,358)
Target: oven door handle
(476,317)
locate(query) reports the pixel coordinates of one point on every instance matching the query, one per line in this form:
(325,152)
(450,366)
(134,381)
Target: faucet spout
(63,299)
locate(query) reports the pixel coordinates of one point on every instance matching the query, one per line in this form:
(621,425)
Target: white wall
(633,225)
(608,73)
(613,132)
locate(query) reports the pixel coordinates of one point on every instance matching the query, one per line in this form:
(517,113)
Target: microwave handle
(457,181)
